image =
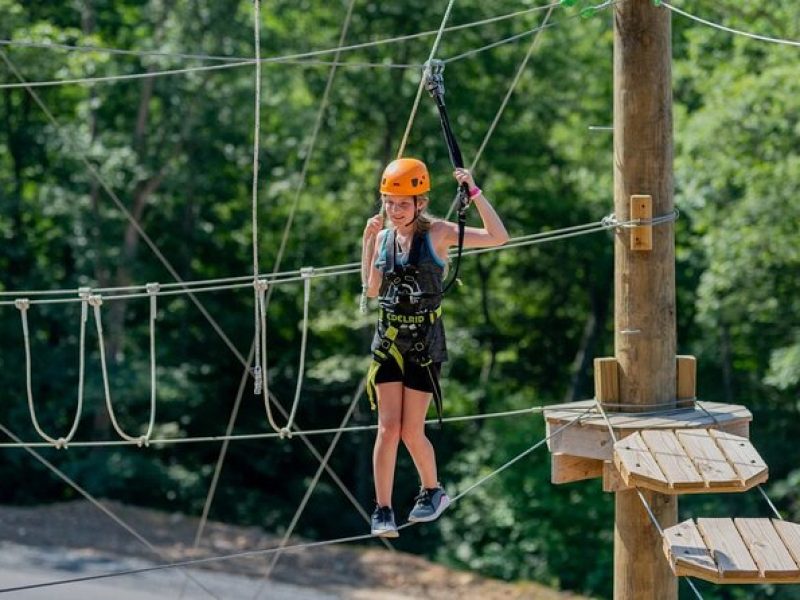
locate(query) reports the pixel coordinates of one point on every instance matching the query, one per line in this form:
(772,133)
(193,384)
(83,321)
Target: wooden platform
(590,437)
(735,550)
(689,461)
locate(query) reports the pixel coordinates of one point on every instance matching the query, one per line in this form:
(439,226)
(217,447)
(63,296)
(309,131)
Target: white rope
(24,305)
(303,343)
(424,79)
(747,34)
(262,304)
(96,301)
(257,373)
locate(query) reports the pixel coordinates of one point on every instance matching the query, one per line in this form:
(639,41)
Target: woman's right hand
(374,226)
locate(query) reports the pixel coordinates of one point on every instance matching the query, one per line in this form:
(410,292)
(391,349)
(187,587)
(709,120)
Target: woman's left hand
(464,176)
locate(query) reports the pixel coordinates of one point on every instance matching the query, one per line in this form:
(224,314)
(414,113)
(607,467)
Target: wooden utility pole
(644,286)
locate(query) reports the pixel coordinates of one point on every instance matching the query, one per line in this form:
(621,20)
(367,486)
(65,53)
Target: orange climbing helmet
(405,177)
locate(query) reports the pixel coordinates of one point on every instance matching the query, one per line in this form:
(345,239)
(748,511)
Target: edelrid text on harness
(402,317)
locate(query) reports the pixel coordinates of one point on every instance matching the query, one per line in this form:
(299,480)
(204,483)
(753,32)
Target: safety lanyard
(435,87)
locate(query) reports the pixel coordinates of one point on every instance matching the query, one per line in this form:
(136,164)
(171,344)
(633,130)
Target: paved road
(24,565)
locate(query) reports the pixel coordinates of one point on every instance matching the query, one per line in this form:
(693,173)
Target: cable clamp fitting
(306,272)
(285,432)
(433,73)
(153,288)
(95,300)
(257,380)
(260,285)
(60,443)
(22,304)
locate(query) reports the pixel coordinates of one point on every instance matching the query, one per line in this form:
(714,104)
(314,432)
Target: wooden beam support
(567,468)
(606,380)
(686,389)
(642,208)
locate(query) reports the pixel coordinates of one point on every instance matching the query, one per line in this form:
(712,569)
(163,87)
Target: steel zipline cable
(295,547)
(72,295)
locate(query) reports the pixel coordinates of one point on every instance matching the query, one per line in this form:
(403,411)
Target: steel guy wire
(721,27)
(286,58)
(268,551)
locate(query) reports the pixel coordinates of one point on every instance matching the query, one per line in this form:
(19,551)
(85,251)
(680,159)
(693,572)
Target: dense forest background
(177,151)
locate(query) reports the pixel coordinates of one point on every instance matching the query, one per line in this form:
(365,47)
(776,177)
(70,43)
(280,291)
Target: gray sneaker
(383,523)
(430,503)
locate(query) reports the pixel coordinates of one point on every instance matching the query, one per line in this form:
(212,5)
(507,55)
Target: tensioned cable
(311,487)
(259,348)
(152,246)
(646,504)
(100,506)
(293,59)
(747,34)
(264,298)
(268,551)
(609,222)
(423,80)
(296,433)
(774,509)
(257,375)
(121,207)
(534,44)
(296,56)
(61,442)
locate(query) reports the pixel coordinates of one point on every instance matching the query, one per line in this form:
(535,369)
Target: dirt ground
(346,571)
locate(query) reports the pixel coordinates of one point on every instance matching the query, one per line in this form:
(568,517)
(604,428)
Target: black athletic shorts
(414,377)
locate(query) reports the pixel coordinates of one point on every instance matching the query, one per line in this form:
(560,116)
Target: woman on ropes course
(406,265)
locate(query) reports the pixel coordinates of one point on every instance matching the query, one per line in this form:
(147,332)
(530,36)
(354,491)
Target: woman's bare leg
(384,455)
(415,408)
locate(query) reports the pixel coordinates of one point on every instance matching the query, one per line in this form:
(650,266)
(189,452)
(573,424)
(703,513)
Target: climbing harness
(401,314)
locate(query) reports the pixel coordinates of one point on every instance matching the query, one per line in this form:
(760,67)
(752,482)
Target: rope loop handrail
(23,305)
(96,302)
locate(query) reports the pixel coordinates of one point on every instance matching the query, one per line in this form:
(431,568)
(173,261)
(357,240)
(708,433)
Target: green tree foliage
(177,153)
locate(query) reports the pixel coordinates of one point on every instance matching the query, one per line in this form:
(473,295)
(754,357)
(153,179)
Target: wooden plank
(636,464)
(744,458)
(687,551)
(612,479)
(578,440)
(767,548)
(708,459)
(606,379)
(566,468)
(673,460)
(790,534)
(642,208)
(728,548)
(686,385)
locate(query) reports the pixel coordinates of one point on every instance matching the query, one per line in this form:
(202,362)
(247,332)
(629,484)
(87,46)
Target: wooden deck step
(689,461)
(735,550)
